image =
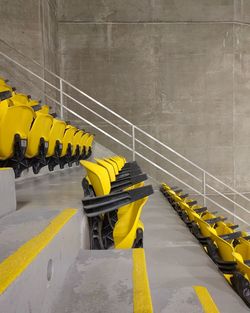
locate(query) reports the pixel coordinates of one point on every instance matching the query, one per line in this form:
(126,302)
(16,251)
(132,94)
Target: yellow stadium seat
(67,147)
(15,123)
(128,229)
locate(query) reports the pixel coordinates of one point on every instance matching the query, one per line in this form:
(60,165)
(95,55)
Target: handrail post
(61,98)
(204,187)
(133,141)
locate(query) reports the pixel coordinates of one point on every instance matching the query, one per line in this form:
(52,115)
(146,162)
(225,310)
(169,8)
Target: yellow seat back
(4,87)
(241,266)
(56,133)
(243,248)
(68,138)
(83,141)
(108,167)
(113,164)
(225,248)
(44,108)
(204,226)
(19,99)
(98,177)
(120,159)
(118,162)
(40,129)
(14,120)
(77,141)
(223,229)
(89,142)
(125,228)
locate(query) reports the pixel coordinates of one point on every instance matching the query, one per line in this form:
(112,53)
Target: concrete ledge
(44,262)
(7,191)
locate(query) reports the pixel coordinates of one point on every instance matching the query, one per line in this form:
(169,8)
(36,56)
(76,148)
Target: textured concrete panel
(29,28)
(146,10)
(7,191)
(174,81)
(242,11)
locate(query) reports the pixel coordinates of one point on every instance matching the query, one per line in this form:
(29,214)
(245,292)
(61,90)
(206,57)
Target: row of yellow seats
(30,136)
(114,176)
(121,226)
(228,246)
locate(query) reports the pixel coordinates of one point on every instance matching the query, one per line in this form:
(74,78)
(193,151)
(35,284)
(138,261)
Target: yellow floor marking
(206,300)
(141,292)
(13,266)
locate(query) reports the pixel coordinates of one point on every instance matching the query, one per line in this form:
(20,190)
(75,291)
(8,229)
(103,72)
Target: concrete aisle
(176,262)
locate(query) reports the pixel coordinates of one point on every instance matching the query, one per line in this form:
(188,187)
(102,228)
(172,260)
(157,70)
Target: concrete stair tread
(99,281)
(20,226)
(176,262)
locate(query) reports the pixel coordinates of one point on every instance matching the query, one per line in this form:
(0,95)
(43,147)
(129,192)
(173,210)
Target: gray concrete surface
(53,191)
(176,263)
(98,282)
(29,27)
(35,289)
(7,192)
(176,68)
(39,200)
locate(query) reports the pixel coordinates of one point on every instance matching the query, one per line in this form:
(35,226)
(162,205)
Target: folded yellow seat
(114,164)
(109,167)
(56,137)
(119,213)
(67,141)
(118,162)
(89,143)
(123,210)
(20,99)
(77,141)
(128,224)
(228,248)
(5,87)
(43,109)
(15,122)
(99,178)
(242,256)
(39,134)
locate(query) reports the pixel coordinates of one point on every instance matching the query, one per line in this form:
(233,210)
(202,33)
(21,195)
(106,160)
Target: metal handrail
(132,135)
(165,158)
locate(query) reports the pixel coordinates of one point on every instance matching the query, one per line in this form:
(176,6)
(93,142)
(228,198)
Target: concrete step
(36,251)
(98,281)
(177,262)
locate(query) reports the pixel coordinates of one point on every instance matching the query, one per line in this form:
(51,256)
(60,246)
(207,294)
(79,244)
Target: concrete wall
(29,27)
(167,66)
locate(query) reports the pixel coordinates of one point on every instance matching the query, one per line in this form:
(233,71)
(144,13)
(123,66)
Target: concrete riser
(32,292)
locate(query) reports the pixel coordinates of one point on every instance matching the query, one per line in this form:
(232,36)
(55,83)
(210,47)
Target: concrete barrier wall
(7,191)
(176,68)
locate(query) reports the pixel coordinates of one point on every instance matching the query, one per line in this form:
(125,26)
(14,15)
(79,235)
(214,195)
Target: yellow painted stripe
(141,293)
(206,300)
(13,266)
